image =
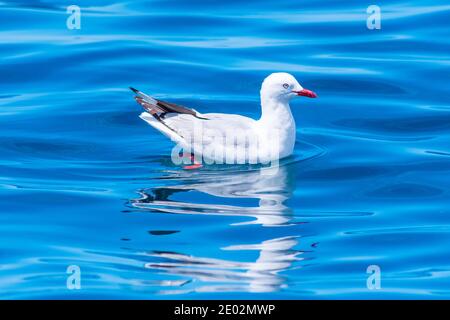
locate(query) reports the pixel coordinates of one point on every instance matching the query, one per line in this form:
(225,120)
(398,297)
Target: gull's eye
(285,85)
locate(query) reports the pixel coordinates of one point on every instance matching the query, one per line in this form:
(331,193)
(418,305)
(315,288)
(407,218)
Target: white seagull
(222,138)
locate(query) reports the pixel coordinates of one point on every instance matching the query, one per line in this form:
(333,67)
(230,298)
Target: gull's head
(283,86)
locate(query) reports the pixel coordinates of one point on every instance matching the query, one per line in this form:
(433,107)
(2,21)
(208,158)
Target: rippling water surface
(84,181)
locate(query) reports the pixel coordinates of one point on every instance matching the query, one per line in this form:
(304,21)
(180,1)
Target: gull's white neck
(275,111)
(277,121)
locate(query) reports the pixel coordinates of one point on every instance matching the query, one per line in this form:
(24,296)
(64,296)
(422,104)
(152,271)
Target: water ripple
(84,181)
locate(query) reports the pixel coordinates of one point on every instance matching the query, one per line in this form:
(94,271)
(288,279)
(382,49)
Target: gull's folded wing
(159,108)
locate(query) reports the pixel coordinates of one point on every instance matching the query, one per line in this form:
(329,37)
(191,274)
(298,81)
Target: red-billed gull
(231,138)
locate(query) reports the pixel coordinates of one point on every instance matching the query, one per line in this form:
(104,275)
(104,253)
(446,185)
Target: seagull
(224,138)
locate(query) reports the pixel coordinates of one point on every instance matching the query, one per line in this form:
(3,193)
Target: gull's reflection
(270,187)
(269,191)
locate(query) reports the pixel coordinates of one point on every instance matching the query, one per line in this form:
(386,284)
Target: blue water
(85,182)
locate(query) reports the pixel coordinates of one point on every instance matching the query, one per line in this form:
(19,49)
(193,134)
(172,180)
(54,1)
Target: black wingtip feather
(134,90)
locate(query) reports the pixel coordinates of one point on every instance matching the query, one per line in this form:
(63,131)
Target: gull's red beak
(306,93)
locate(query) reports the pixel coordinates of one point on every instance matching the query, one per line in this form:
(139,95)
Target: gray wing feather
(159,108)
